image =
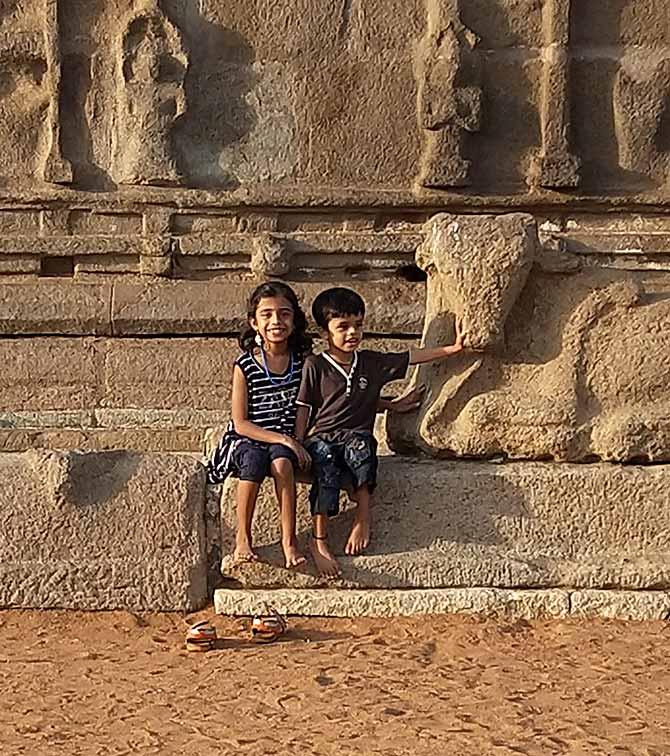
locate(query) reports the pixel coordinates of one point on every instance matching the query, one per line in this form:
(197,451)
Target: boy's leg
(324,503)
(360,454)
(251,464)
(325,562)
(281,469)
(359,538)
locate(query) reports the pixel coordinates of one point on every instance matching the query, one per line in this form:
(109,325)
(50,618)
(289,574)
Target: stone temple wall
(157,158)
(504,161)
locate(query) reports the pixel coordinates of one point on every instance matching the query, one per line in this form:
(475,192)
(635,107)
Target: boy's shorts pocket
(360,456)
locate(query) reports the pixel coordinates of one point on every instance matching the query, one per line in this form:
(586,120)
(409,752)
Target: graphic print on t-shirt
(271,399)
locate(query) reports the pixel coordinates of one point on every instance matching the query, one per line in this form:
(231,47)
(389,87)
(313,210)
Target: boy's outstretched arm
(419,356)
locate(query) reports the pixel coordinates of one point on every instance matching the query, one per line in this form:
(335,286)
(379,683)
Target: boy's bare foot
(359,538)
(325,562)
(292,555)
(243,552)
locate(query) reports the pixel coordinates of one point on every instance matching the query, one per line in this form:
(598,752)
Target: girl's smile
(274,320)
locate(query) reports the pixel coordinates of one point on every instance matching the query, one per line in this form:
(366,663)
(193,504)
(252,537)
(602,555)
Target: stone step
(515,604)
(440,524)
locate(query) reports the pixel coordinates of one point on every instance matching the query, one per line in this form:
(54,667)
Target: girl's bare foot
(325,562)
(359,538)
(292,555)
(243,551)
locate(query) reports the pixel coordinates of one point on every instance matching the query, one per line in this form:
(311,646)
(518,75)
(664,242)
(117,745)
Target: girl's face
(273,320)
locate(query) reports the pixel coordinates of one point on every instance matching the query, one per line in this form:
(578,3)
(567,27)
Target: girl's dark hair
(298,342)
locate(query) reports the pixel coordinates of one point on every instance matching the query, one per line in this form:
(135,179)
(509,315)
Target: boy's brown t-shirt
(347,402)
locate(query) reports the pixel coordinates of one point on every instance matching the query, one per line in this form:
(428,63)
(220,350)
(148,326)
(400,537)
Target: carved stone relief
(269,257)
(641,92)
(574,365)
(29,94)
(151,63)
(449,97)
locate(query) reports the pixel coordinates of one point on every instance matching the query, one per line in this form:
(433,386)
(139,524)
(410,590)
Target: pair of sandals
(265,628)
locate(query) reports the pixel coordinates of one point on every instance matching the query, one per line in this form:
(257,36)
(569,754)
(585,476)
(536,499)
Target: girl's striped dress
(270,404)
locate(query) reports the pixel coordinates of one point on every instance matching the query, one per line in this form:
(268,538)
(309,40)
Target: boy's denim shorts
(252,459)
(336,458)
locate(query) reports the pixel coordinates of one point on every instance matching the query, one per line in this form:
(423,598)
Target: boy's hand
(409,402)
(435,354)
(457,346)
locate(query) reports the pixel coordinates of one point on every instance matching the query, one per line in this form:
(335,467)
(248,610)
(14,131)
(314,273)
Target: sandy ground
(114,683)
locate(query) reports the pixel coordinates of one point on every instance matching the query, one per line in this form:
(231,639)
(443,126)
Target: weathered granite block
(102,530)
(331,602)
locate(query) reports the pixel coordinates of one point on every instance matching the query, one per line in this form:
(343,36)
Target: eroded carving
(476,268)
(269,257)
(641,91)
(556,166)
(151,63)
(449,96)
(29,93)
(581,373)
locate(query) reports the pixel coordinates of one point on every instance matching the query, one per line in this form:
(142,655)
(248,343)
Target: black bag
(220,465)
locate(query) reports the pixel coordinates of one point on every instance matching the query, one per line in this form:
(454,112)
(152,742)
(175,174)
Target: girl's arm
(301,422)
(246,428)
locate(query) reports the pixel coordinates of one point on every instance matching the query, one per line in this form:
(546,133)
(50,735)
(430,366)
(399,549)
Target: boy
(337,403)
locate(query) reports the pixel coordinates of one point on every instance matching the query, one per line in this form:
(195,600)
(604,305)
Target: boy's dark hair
(298,342)
(336,303)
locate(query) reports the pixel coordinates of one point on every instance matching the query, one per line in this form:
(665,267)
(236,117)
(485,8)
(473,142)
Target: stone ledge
(218,307)
(99,439)
(555,603)
(520,525)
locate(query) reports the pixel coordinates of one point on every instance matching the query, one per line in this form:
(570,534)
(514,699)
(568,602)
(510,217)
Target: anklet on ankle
(319,538)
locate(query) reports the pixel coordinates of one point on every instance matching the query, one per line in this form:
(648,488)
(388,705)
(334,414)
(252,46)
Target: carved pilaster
(556,167)
(449,97)
(57,170)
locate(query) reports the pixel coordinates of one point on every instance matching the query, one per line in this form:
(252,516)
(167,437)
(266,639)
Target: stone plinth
(444,524)
(102,531)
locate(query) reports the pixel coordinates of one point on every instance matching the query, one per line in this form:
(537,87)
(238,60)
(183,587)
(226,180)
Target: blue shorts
(251,460)
(336,457)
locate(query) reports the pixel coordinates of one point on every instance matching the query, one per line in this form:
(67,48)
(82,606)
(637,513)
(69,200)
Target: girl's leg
(247,493)
(325,562)
(359,538)
(282,473)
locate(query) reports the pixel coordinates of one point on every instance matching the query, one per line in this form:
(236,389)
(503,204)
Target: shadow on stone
(91,479)
(219,76)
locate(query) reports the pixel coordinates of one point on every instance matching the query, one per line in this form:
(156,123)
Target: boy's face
(345,333)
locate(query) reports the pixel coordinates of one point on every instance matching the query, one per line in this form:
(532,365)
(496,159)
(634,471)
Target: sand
(114,683)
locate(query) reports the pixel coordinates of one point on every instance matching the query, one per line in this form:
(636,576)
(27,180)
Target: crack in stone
(346,17)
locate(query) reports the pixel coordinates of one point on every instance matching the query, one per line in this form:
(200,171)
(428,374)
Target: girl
(260,440)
